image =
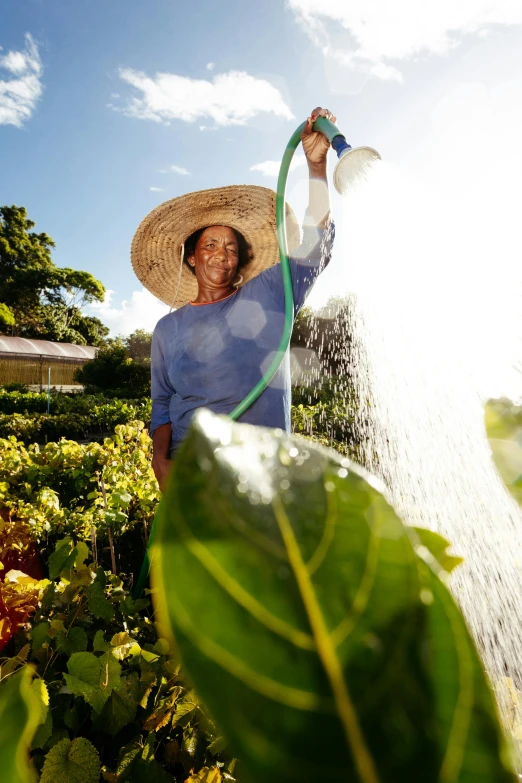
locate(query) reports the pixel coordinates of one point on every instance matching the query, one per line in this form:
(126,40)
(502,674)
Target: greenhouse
(38,362)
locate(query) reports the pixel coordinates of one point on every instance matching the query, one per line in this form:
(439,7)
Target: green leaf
(72,762)
(41,699)
(75,641)
(128,754)
(206,775)
(43,733)
(62,558)
(99,643)
(98,604)
(325,647)
(72,716)
(93,678)
(162,647)
(118,711)
(19,713)
(83,553)
(217,746)
(123,645)
(39,635)
(437,546)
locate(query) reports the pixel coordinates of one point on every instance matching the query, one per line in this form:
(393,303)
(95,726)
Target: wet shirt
(211,355)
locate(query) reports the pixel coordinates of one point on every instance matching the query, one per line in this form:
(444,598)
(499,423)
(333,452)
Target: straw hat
(157,246)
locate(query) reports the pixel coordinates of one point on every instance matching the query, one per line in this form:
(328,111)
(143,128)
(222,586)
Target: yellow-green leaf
(206,775)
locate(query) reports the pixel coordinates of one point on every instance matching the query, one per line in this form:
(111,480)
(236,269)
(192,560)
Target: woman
(213,255)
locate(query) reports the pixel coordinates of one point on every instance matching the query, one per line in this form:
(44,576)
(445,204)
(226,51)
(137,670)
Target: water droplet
(329,486)
(205,464)
(284,484)
(426,596)
(293,452)
(342,473)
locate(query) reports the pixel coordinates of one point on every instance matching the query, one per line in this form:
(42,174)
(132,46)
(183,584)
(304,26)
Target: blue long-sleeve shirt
(211,355)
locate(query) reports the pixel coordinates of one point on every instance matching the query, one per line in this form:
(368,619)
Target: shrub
(14,387)
(76,417)
(104,493)
(113,371)
(108,698)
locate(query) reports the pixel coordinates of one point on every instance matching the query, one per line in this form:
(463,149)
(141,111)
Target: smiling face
(215,258)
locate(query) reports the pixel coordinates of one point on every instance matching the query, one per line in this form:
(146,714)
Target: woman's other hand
(161,464)
(161,467)
(316,145)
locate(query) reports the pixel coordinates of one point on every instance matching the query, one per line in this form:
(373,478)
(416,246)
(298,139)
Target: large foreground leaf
(19,718)
(324,645)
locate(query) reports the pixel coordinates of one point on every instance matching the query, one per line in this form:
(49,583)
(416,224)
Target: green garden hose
(331,131)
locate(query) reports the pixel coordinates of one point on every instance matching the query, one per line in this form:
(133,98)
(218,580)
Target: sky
(109,108)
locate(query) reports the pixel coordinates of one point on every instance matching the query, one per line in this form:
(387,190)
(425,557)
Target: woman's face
(216,257)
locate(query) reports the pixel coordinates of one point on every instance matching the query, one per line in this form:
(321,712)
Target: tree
(6,316)
(113,371)
(45,300)
(138,345)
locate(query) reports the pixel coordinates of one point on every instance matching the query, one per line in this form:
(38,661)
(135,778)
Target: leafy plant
(101,493)
(504,428)
(110,700)
(25,417)
(317,627)
(112,369)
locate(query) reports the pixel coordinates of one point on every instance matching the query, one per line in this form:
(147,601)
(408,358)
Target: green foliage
(326,413)
(46,300)
(19,713)
(72,762)
(66,488)
(76,417)
(138,345)
(113,370)
(317,627)
(7,317)
(23,401)
(14,387)
(504,428)
(108,698)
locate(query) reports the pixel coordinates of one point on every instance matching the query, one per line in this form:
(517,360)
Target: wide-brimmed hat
(158,243)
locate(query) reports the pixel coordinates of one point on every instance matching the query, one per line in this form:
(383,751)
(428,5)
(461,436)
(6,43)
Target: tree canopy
(41,300)
(113,372)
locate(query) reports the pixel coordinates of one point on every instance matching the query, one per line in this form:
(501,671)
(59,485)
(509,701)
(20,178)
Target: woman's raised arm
(315,147)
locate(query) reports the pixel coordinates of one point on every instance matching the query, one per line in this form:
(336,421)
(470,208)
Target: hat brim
(157,244)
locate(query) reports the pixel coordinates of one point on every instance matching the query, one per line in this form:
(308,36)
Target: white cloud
(211,66)
(270,168)
(377,31)
(20,93)
(176,170)
(141,311)
(156,189)
(230,98)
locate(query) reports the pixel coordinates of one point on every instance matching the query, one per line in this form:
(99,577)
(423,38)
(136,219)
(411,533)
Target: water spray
(352,166)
